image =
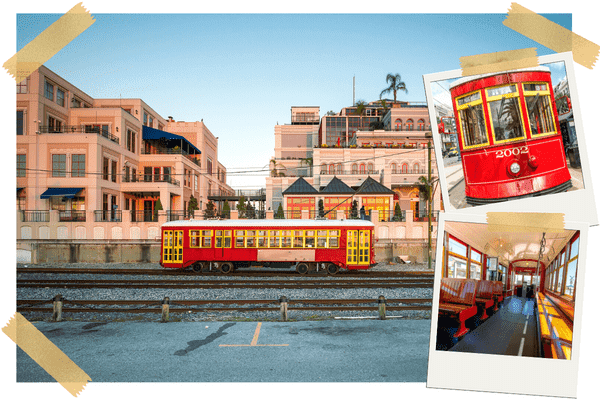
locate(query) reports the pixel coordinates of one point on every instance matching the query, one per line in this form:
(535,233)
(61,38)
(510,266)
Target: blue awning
(19,189)
(156,134)
(60,192)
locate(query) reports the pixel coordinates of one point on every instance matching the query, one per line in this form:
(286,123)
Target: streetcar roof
(475,77)
(271,223)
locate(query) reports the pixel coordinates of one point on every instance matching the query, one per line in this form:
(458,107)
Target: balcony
(71,216)
(73,129)
(147,178)
(35,216)
(349,172)
(151,150)
(144,216)
(107,216)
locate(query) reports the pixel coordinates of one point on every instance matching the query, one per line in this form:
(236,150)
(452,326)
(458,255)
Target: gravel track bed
(38,294)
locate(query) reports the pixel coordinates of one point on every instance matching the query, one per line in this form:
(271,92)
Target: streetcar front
(509,136)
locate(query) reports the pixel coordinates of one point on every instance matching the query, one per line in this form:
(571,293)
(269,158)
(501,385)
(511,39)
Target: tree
(192,206)
(157,207)
(226,210)
(309,162)
(274,169)
(395,83)
(397,212)
(378,124)
(209,212)
(354,210)
(321,208)
(241,207)
(361,106)
(250,211)
(280,214)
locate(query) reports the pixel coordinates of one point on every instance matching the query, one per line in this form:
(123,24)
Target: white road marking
(525,329)
(521,347)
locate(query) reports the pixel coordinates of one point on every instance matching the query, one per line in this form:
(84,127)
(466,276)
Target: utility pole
(429,204)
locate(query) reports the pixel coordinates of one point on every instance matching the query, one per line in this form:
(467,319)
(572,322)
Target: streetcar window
(298,239)
(468,99)
(457,268)
(273,238)
(218,239)
(206,239)
(541,117)
(535,87)
(286,239)
(222,239)
(239,238)
(457,247)
(250,239)
(572,269)
(194,238)
(263,239)
(473,125)
(227,238)
(333,239)
(309,238)
(505,110)
(321,239)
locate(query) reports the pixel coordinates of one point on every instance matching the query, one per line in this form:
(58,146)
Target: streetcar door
(364,241)
(172,251)
(351,247)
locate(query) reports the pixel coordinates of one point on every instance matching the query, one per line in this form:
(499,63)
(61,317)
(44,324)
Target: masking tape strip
(551,35)
(49,42)
(46,354)
(525,222)
(499,61)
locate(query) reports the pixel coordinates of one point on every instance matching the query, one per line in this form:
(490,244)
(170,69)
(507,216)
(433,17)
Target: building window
(19,122)
(409,125)
(394,168)
(331,169)
(405,168)
(398,124)
(21,164)
(59,165)
(370,169)
(75,103)
(157,174)
(22,86)
(113,171)
(130,141)
(105,169)
(49,91)
(323,168)
(151,122)
(362,168)
(416,168)
(354,169)
(421,125)
(78,165)
(145,118)
(209,165)
(60,97)
(196,183)
(54,125)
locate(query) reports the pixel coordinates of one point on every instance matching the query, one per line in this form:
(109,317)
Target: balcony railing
(146,178)
(392,216)
(144,216)
(35,216)
(422,216)
(78,129)
(349,172)
(108,216)
(71,216)
(165,150)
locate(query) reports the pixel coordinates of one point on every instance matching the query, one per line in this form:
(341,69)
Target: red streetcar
(306,244)
(509,136)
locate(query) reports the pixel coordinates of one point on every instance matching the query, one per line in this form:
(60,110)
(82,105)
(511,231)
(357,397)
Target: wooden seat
(498,294)
(484,297)
(556,326)
(457,299)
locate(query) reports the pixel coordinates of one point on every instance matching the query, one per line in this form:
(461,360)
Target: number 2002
(515,151)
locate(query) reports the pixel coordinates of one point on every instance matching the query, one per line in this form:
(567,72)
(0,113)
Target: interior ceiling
(510,246)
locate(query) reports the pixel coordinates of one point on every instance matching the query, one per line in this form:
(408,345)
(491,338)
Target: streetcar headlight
(515,168)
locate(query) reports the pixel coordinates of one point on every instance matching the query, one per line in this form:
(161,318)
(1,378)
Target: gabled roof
(336,186)
(300,186)
(371,186)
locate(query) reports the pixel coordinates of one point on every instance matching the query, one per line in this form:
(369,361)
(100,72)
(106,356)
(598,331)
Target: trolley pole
(429,204)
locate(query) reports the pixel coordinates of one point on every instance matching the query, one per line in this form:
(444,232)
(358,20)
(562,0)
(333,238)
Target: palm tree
(308,161)
(395,84)
(361,105)
(274,169)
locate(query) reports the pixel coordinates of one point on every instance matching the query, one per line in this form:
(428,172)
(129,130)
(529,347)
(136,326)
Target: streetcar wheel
(197,267)
(332,269)
(226,268)
(302,268)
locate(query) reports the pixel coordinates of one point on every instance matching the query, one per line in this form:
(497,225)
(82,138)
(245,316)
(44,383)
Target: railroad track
(331,283)
(188,306)
(259,273)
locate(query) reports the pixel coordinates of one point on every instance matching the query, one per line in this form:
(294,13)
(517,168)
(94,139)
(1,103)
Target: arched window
(354,169)
(323,168)
(332,169)
(405,168)
(416,168)
(370,168)
(409,125)
(339,168)
(362,168)
(421,125)
(398,124)
(393,165)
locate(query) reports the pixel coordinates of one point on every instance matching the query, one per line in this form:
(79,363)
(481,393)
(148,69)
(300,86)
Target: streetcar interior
(506,292)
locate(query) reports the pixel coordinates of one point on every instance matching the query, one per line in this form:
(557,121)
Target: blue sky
(241,73)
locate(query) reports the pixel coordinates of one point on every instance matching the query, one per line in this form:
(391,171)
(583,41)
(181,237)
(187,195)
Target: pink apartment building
(96,168)
(382,149)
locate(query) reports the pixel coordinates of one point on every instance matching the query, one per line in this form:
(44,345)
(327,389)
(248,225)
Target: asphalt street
(392,350)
